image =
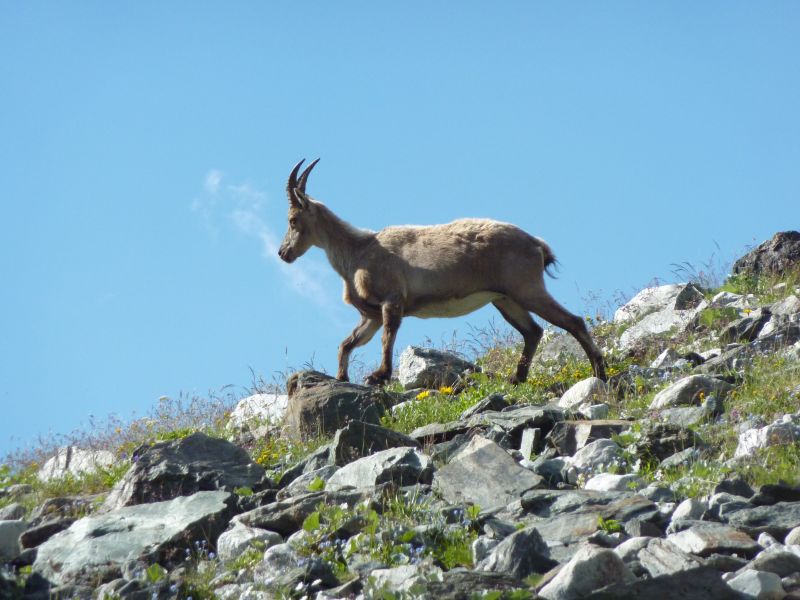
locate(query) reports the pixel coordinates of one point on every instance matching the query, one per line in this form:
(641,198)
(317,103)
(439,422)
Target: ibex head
(301,234)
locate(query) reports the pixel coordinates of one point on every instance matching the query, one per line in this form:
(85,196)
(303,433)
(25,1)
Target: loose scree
(430,271)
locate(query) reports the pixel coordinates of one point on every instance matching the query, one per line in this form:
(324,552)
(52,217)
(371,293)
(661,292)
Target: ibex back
(433,271)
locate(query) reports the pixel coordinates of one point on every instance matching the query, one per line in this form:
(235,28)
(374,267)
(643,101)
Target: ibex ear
(297,200)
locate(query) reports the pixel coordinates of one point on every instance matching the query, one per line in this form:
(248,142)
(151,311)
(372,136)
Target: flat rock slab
(195,463)
(777,520)
(690,391)
(661,557)
(460,584)
(96,547)
(514,419)
(436,433)
(702,583)
(358,439)
(484,474)
(710,538)
(591,568)
(402,466)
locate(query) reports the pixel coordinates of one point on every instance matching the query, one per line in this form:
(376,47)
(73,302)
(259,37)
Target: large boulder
(590,569)
(9,538)
(776,256)
(75,462)
(95,549)
(657,310)
(429,368)
(483,473)
(195,463)
(258,409)
(358,439)
(690,391)
(403,466)
(522,553)
(319,404)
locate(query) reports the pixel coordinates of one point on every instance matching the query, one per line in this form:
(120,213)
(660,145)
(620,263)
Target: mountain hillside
(677,477)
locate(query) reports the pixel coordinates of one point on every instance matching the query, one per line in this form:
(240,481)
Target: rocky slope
(676,478)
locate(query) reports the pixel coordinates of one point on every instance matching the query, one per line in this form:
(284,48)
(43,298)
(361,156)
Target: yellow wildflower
(423,394)
(445,389)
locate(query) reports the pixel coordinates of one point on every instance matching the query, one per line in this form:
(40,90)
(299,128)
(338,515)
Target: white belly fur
(456,307)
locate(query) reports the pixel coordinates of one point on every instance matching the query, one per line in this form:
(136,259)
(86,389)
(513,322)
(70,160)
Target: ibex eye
(293,222)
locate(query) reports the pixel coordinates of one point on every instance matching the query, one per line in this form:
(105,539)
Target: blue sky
(145,148)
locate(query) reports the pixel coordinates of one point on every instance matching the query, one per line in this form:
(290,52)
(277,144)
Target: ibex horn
(301,185)
(292,183)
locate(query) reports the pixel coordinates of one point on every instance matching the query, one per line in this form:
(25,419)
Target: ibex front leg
(362,334)
(392,314)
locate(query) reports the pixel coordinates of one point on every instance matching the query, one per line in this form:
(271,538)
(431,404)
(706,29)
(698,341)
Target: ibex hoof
(376,378)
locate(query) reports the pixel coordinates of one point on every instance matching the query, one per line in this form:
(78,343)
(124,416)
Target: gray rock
(181,467)
(400,580)
(662,557)
(514,419)
(258,409)
(595,455)
(747,328)
(519,555)
(682,458)
(701,583)
(793,537)
(590,569)
(777,520)
(587,391)
(778,255)
(664,360)
(531,438)
(779,433)
(722,504)
(483,473)
(629,549)
(9,539)
(686,416)
(403,466)
(358,439)
(494,402)
(567,517)
(691,508)
(647,301)
(662,440)
(567,437)
(690,391)
(239,537)
(38,534)
(710,538)
(12,512)
(319,404)
(758,585)
(609,482)
(75,462)
(301,484)
(94,548)
(787,307)
(463,584)
(286,516)
(595,411)
(429,368)
(777,560)
(436,433)
(558,346)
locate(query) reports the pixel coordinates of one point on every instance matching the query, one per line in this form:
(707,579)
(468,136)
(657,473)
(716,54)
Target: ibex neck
(340,240)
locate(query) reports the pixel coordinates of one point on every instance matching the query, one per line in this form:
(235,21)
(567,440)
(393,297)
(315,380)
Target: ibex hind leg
(544,305)
(521,320)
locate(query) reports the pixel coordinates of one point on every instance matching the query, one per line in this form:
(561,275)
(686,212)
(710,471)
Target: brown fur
(435,270)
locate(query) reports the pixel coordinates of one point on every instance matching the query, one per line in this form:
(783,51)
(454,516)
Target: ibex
(431,271)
